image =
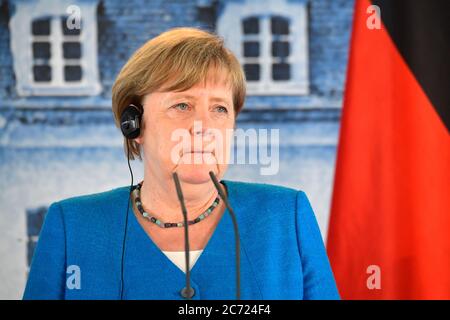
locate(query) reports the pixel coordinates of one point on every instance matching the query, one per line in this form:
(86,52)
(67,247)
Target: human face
(188,132)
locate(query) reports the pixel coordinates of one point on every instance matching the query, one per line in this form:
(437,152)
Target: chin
(193,172)
(196,173)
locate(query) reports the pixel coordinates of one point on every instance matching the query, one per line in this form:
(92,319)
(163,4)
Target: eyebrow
(184,95)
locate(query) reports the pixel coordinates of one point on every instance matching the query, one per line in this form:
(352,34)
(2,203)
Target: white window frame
(21,46)
(229,26)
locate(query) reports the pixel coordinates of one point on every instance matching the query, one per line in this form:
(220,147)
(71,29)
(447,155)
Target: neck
(159,197)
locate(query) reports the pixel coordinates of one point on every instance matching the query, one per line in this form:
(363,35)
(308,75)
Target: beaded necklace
(162,224)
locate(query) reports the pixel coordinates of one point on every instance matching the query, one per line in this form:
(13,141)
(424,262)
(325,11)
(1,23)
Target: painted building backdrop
(57,137)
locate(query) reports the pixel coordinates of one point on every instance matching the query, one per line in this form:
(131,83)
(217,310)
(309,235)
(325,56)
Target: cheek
(156,138)
(222,143)
(165,143)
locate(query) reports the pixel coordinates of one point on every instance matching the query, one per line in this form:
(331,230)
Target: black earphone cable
(126,220)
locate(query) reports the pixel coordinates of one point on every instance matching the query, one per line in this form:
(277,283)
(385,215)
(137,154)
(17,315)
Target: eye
(181,106)
(222,109)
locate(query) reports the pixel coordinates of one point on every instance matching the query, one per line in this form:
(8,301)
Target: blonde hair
(187,55)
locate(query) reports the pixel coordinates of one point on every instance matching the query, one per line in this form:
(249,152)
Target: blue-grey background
(53,147)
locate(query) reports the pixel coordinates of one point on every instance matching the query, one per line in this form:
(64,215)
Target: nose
(199,128)
(201,124)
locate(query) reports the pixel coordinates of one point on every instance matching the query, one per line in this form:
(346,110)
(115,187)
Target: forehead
(215,85)
(202,91)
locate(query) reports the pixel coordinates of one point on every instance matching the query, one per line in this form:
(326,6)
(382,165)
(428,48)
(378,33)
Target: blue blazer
(79,252)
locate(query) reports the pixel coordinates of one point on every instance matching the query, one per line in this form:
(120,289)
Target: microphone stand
(188,292)
(236,233)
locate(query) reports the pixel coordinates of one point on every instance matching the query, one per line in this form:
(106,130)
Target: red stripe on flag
(391,198)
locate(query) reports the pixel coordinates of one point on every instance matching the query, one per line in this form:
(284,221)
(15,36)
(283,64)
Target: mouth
(197,151)
(198,157)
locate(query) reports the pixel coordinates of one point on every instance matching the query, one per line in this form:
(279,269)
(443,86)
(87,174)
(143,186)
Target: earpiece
(130,121)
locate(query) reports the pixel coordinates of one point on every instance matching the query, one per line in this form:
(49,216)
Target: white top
(178,258)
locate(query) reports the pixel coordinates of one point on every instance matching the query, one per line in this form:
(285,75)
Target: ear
(140,138)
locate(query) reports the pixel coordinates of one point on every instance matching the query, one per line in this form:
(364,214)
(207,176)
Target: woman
(184,83)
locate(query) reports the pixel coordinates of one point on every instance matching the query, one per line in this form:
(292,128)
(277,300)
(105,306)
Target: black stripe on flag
(421,31)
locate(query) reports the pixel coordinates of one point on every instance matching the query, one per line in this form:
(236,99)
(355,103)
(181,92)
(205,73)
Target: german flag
(389,230)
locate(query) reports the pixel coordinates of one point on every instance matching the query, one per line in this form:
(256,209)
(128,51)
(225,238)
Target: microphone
(187,292)
(236,233)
